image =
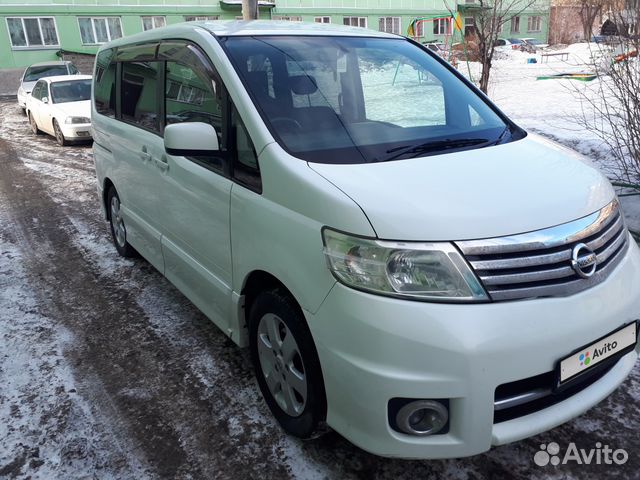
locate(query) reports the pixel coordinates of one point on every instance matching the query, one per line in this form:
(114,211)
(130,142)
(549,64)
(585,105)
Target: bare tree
(249,9)
(489,17)
(611,109)
(590,11)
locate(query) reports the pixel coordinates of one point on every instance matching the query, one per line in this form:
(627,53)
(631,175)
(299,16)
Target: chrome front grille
(539,264)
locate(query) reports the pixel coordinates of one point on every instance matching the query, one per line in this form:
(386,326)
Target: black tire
(58,134)
(277,302)
(33,125)
(122,246)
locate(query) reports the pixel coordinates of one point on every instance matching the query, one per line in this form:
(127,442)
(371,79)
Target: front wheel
(286,363)
(118,229)
(33,124)
(59,135)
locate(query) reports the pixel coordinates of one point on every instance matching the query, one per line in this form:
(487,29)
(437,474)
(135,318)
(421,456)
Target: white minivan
(402,260)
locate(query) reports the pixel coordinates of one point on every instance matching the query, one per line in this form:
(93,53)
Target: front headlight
(77,120)
(417,270)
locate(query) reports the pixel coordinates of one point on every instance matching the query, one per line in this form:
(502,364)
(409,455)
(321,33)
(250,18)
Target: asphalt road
(107,371)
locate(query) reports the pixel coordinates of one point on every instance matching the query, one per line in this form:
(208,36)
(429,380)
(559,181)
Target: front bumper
(375,348)
(76,131)
(22,99)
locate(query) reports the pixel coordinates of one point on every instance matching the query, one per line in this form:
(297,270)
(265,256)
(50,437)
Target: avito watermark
(600,455)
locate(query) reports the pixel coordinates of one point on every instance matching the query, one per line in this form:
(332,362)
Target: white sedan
(61,106)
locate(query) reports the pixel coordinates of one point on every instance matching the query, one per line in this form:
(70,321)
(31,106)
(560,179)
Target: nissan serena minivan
(403,261)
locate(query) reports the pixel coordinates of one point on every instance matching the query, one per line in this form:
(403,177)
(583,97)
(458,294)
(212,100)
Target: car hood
(74,109)
(27,86)
(512,188)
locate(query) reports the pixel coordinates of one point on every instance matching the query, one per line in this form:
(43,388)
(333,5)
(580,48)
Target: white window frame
(443,26)
(200,18)
(358,21)
(419,29)
(534,19)
(513,22)
(393,20)
(322,19)
(153,21)
(26,37)
(93,27)
(287,18)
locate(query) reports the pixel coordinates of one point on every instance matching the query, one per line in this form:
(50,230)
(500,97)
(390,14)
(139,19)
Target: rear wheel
(286,363)
(33,124)
(118,229)
(59,135)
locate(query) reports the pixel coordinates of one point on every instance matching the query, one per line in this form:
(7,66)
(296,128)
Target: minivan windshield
(353,100)
(34,74)
(71,91)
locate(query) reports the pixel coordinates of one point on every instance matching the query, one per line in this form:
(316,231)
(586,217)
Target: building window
(322,19)
(442,26)
(389,25)
(355,21)
(99,29)
(419,31)
(287,18)
(469,26)
(193,18)
(534,24)
(32,31)
(515,24)
(149,23)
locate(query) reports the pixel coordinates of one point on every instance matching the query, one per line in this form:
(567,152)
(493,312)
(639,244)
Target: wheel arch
(106,186)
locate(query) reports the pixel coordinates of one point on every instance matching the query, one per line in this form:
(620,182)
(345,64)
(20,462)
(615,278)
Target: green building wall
(66,12)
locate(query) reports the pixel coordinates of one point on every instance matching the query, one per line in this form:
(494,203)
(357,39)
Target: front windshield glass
(36,73)
(71,91)
(355,100)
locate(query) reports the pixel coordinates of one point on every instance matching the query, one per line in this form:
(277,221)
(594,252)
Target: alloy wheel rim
(281,365)
(117,223)
(58,133)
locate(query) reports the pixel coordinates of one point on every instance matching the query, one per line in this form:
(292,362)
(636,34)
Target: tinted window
(70,91)
(245,168)
(36,73)
(105,84)
(356,100)
(35,93)
(139,87)
(193,95)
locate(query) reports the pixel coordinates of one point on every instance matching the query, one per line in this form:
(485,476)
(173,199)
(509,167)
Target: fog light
(422,417)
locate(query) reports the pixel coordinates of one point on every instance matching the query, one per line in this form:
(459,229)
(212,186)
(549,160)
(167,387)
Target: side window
(35,93)
(105,84)
(192,94)
(245,168)
(73,70)
(139,86)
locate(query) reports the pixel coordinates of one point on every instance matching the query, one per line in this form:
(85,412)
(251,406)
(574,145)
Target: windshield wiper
(433,146)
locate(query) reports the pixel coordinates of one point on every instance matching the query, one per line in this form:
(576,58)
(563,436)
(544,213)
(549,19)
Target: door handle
(162,163)
(144,155)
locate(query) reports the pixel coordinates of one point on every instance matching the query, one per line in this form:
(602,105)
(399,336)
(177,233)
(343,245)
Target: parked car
(61,106)
(515,43)
(401,259)
(438,48)
(532,45)
(39,70)
(506,43)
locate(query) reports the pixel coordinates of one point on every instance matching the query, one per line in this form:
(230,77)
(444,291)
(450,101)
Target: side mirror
(190,139)
(45,99)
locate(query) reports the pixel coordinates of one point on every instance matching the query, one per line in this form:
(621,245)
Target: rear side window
(139,94)
(105,84)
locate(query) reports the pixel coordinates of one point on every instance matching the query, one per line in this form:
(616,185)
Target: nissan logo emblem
(583,260)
